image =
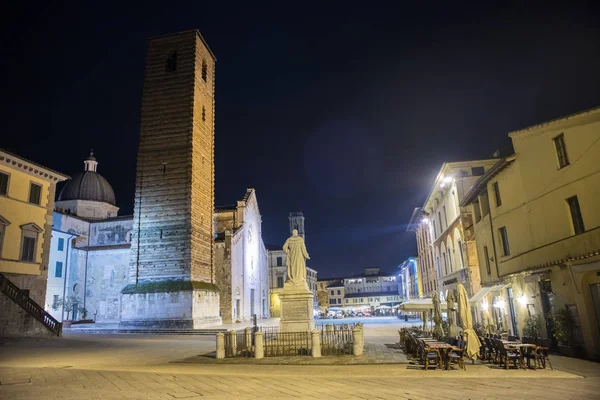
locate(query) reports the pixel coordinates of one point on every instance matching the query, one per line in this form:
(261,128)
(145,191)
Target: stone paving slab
(251,382)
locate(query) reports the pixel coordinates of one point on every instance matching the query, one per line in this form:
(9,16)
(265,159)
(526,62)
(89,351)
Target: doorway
(595,289)
(251,303)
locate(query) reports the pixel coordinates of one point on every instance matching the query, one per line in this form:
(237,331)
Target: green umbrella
(473,343)
(437,317)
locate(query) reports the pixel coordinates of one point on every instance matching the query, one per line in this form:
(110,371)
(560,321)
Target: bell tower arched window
(171,64)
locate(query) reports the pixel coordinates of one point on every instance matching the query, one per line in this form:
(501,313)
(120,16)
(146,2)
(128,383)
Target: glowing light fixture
(485,305)
(500,303)
(523,299)
(425,221)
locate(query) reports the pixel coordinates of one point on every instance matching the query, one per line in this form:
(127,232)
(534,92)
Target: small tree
(532,327)
(67,303)
(562,326)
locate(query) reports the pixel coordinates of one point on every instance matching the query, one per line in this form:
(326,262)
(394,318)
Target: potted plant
(67,305)
(563,332)
(532,327)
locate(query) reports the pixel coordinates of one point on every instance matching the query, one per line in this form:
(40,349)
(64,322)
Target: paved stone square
(152,367)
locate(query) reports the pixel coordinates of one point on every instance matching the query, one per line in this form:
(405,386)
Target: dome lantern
(90,163)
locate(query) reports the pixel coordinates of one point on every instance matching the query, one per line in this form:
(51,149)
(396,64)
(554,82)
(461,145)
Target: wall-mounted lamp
(523,299)
(499,303)
(485,305)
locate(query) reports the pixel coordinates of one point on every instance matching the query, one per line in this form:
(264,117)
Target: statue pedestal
(296,308)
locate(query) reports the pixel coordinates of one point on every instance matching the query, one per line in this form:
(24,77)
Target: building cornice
(576,118)
(32,168)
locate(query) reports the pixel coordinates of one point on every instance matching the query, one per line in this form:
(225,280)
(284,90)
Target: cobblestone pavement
(262,382)
(150,367)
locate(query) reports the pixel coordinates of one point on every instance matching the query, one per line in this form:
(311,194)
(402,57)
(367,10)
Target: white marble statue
(296,258)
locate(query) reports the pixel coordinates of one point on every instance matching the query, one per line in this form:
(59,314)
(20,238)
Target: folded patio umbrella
(437,316)
(464,309)
(451,316)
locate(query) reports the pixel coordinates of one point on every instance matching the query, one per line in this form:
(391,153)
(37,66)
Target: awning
(420,305)
(485,290)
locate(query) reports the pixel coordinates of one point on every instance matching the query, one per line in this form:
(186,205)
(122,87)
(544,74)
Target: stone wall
(106,277)
(172,236)
(223,276)
(16,322)
(172,227)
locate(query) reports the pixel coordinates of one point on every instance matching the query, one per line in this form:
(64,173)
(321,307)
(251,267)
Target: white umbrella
(464,309)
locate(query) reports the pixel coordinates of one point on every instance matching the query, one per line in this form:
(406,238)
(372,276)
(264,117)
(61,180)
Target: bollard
(232,342)
(220,345)
(259,350)
(357,348)
(248,338)
(316,343)
(362,333)
(329,328)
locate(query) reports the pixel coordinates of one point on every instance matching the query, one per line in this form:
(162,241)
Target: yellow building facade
(26,209)
(537,228)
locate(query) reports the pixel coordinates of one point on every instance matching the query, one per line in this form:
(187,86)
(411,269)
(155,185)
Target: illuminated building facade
(171,280)
(409,284)
(451,226)
(537,225)
(241,266)
(27,192)
(419,223)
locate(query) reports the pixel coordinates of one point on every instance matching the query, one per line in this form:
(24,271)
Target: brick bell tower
(171,275)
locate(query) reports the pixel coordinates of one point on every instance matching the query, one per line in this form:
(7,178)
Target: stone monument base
(296,308)
(183,305)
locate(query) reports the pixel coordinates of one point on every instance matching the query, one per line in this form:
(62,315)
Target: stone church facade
(241,260)
(158,268)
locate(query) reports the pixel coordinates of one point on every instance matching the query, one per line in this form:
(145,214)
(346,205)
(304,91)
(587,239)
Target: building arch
(438,262)
(451,258)
(445,268)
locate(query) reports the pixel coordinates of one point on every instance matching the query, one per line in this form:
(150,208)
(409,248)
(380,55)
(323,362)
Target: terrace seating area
(515,353)
(446,352)
(433,353)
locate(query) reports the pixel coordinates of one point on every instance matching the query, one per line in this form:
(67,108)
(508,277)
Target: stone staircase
(13,292)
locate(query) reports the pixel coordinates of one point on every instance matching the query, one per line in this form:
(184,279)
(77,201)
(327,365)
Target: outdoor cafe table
(524,348)
(444,350)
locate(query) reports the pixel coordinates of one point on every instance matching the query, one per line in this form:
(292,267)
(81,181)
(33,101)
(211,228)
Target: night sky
(344,112)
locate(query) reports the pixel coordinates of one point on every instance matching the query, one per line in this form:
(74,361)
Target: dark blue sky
(343,112)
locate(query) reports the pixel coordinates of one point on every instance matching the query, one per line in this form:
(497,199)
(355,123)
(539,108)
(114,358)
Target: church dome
(88,185)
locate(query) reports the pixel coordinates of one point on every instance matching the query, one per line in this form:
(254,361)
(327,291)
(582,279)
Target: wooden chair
(456,356)
(492,352)
(510,354)
(541,353)
(428,355)
(483,349)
